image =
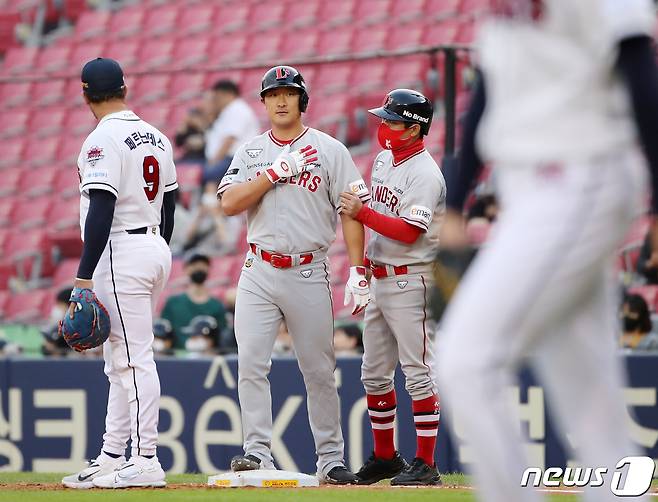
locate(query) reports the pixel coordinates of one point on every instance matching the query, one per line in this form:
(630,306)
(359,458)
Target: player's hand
(453,231)
(289,163)
(357,287)
(350,204)
(81,284)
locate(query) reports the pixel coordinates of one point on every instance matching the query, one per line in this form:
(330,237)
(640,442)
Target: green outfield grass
(28,487)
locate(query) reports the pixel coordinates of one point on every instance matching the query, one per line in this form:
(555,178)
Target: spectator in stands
(203,336)
(190,137)
(9,349)
(210,230)
(180,309)
(163,338)
(53,342)
(636,321)
(647,266)
(348,340)
(235,124)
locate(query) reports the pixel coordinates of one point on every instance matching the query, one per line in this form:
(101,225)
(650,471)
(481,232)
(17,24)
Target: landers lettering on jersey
(386,196)
(303,180)
(137,138)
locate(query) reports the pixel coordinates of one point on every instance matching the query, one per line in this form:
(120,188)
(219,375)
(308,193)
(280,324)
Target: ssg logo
(631,477)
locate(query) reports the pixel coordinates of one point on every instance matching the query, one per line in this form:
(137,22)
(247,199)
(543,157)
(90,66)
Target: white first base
(263,478)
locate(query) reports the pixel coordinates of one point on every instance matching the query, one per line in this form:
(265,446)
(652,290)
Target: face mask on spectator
(159,345)
(197,344)
(199,276)
(56,314)
(630,323)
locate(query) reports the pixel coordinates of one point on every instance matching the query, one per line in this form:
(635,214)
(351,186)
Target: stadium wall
(52,415)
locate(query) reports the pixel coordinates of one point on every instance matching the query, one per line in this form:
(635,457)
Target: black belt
(137,230)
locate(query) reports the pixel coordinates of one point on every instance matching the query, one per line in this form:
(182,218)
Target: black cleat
(375,469)
(339,475)
(417,474)
(245,463)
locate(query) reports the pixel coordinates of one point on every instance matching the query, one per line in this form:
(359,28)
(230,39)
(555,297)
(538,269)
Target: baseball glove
(90,325)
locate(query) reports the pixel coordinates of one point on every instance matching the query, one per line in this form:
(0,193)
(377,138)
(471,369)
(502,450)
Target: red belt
(280,260)
(379,271)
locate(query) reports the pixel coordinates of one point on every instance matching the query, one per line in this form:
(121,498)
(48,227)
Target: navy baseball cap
(102,75)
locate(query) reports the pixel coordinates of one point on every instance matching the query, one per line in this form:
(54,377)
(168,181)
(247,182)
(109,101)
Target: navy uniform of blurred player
(565,87)
(127,183)
(292,197)
(408,200)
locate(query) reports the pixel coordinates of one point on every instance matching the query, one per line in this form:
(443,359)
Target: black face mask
(630,324)
(199,276)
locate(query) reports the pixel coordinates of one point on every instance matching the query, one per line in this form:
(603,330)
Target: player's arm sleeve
(236,172)
(469,164)
(421,199)
(101,166)
(388,226)
(97,230)
(167,215)
(637,65)
(345,177)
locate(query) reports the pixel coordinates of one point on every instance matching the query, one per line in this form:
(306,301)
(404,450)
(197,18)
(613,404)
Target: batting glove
(357,287)
(289,163)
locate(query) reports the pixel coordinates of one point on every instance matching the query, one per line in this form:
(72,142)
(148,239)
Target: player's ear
(414,131)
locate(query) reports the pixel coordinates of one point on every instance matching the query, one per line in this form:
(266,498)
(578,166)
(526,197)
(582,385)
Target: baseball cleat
(417,474)
(375,469)
(339,475)
(136,472)
(245,463)
(100,466)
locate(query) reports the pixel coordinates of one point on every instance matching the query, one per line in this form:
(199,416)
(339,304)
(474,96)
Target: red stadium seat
(19,60)
(11,179)
(196,19)
(333,77)
(53,58)
(339,266)
(370,40)
(38,182)
(226,49)
(406,36)
(263,47)
(124,51)
(72,9)
(80,121)
(441,9)
(369,75)
(14,122)
(73,93)
(67,182)
(14,93)
(336,12)
(371,11)
(224,270)
(154,115)
(466,33)
(47,121)
(30,212)
(302,45)
(177,277)
(265,15)
(475,7)
(303,12)
(335,42)
(155,53)
(11,151)
(31,250)
(25,307)
(186,86)
(250,84)
(127,21)
(69,149)
(149,88)
(65,273)
(232,17)
(65,213)
(638,232)
(48,92)
(189,176)
(6,208)
(161,20)
(40,151)
(409,10)
(444,32)
(92,24)
(85,52)
(408,72)
(191,51)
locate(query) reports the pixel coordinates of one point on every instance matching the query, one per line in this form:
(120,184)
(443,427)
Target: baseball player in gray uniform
(408,200)
(289,181)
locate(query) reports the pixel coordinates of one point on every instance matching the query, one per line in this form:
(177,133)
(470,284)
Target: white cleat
(100,466)
(136,472)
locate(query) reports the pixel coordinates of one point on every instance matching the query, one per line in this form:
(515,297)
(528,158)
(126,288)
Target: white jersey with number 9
(134,161)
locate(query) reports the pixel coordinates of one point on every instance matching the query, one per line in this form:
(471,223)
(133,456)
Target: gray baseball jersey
(300,214)
(415,191)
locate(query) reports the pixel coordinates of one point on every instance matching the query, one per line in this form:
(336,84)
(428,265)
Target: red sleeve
(388,226)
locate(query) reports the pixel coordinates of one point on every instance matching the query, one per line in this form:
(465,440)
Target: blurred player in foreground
(565,87)
(127,183)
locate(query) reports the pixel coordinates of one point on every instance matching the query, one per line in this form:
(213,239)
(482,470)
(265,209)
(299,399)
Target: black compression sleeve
(470,164)
(97,230)
(637,64)
(167,215)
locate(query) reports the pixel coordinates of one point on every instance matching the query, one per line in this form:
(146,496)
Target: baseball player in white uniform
(289,181)
(554,117)
(408,200)
(127,183)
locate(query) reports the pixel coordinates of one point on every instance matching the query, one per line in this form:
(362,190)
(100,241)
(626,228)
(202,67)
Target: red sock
(426,417)
(381,408)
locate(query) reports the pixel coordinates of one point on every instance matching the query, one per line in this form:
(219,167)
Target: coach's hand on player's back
(453,231)
(289,163)
(350,204)
(79,284)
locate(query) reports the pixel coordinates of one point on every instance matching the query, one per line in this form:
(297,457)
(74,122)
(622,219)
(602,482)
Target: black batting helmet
(285,76)
(406,105)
